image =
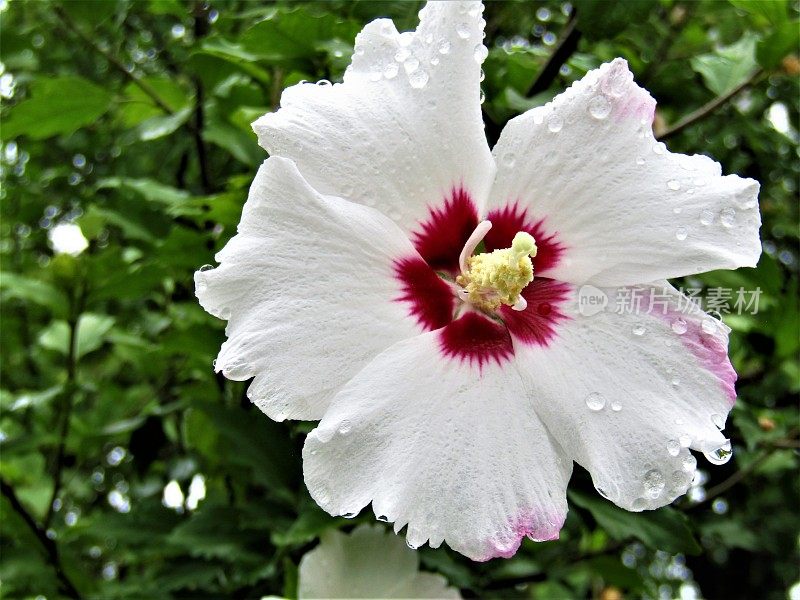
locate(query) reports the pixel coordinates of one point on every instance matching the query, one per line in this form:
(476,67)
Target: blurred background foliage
(129,470)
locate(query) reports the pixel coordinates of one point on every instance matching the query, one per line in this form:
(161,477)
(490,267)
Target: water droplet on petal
(481,76)
(718,421)
(482,97)
(350,515)
(638,505)
(205,268)
(685,440)
(324,83)
(659,148)
(435,61)
(463,31)
(345,427)
(689,463)
(406,38)
(383,518)
(595,401)
(673,447)
(509,158)
(480,53)
(616,405)
(706,217)
(727,217)
(681,233)
(654,483)
(444,47)
(411,64)
(640,161)
(708,326)
(679,326)
(411,544)
(599,107)
(674,184)
(418,79)
(719,455)
(554,122)
(390,71)
(639,330)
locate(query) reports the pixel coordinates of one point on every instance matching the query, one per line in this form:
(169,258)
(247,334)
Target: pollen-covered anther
(495,278)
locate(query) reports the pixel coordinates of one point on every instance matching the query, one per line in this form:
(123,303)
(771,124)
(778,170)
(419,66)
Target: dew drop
(390,71)
(678,479)
(718,421)
(677,210)
(616,405)
(681,233)
(509,158)
(383,518)
(654,483)
(602,492)
(554,122)
(638,505)
(205,268)
(706,217)
(444,47)
(700,181)
(659,148)
(685,440)
(482,97)
(708,326)
(345,427)
(435,61)
(350,515)
(689,463)
(475,10)
(640,161)
(727,217)
(406,38)
(463,31)
(599,107)
(674,184)
(675,382)
(595,401)
(679,326)
(639,330)
(673,447)
(480,53)
(719,455)
(324,83)
(411,544)
(411,64)
(481,76)
(418,79)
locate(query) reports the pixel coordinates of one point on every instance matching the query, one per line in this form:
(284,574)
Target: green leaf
(663,529)
(91,333)
(156,127)
(235,54)
(28,289)
(59,105)
(778,44)
(774,11)
(148,189)
(728,67)
(308,526)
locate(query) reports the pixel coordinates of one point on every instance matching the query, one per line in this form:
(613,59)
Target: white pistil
(476,238)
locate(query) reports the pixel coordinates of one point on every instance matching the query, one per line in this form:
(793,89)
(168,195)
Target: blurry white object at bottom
(370,562)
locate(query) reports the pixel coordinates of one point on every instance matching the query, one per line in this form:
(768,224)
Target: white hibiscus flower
(366,563)
(455,393)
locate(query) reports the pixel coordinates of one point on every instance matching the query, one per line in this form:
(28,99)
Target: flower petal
(404,130)
(624,209)
(367,563)
(625,394)
(452,449)
(309,291)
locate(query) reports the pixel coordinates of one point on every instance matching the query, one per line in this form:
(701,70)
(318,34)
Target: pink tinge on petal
(513,218)
(528,525)
(712,354)
(628,100)
(429,299)
(476,340)
(440,238)
(536,325)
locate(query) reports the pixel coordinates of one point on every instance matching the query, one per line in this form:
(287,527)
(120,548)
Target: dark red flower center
(427,290)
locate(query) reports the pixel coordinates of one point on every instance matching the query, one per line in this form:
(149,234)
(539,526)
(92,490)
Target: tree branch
(708,108)
(567,44)
(49,546)
(114,61)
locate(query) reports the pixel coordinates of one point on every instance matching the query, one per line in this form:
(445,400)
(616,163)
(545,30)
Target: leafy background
(129,470)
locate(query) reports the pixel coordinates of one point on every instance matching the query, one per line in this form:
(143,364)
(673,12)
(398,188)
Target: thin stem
(200,10)
(50,547)
(709,107)
(567,44)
